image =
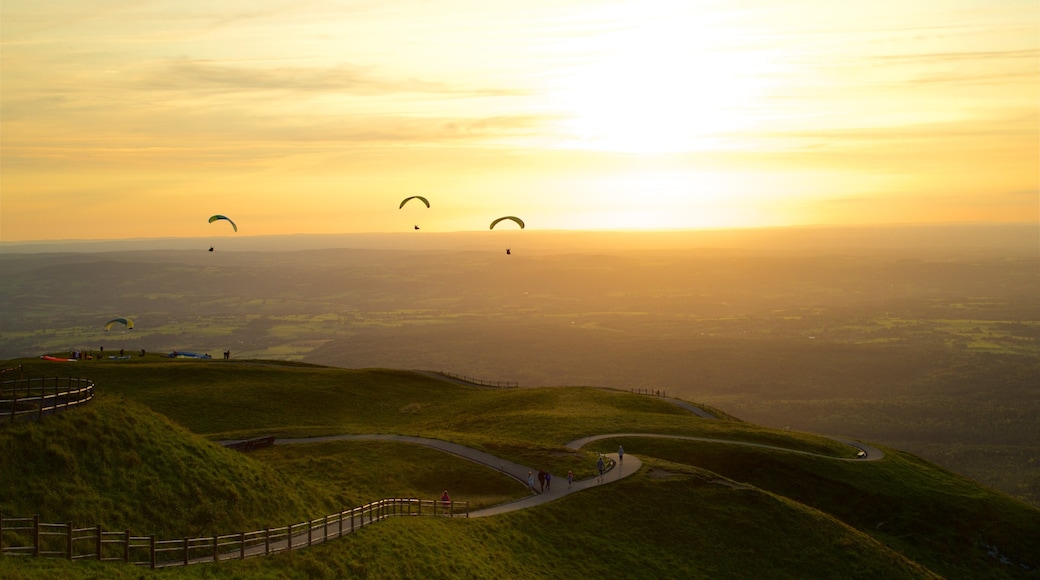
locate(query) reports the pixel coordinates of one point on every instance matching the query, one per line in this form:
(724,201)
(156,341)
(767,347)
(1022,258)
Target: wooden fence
(33,398)
(481,382)
(31,537)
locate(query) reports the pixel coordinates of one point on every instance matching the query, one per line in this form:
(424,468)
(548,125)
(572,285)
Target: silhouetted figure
(507,251)
(227,354)
(211,248)
(417,227)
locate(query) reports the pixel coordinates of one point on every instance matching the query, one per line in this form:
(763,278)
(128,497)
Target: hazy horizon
(1021,235)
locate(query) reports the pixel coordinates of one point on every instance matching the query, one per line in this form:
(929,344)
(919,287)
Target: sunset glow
(141,120)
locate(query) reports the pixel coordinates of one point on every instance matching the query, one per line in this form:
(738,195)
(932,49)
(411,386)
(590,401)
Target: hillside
(138,456)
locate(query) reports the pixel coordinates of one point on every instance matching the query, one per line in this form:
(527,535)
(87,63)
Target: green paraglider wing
(418,197)
(223,217)
(129,324)
(518,221)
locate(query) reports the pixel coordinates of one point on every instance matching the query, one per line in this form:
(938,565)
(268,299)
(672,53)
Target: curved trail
(616,469)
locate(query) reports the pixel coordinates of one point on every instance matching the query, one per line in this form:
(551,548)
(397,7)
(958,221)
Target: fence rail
(31,537)
(33,398)
(481,382)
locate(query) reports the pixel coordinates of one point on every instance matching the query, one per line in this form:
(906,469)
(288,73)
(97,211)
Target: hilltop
(141,456)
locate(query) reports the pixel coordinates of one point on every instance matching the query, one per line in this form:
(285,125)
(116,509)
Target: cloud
(204,75)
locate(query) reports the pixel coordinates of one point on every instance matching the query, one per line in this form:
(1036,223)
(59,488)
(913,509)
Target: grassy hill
(141,456)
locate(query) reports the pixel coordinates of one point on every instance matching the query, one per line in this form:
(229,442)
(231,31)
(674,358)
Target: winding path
(616,468)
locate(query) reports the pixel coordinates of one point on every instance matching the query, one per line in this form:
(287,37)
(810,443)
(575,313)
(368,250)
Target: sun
(664,84)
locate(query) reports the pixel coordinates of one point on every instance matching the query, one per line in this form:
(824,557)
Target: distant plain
(922,339)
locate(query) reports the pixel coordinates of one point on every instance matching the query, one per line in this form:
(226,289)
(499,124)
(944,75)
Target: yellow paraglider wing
(418,197)
(223,217)
(518,221)
(129,324)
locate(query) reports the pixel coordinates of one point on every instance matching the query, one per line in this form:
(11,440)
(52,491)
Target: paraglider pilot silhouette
(216,217)
(518,221)
(425,201)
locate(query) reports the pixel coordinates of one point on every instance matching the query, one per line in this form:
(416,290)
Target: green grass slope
(138,457)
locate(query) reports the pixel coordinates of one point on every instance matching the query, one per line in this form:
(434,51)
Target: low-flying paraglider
(129,324)
(518,221)
(216,217)
(425,201)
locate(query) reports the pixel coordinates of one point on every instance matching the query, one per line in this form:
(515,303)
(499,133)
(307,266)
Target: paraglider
(418,197)
(518,221)
(129,324)
(216,217)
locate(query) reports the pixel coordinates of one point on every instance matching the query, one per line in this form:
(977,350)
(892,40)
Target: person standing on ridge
(446,501)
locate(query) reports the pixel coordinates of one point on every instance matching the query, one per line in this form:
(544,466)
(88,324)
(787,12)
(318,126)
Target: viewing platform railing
(33,398)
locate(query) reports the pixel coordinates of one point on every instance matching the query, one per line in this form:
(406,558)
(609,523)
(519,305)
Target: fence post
(36,535)
(100,535)
(186,556)
(267,541)
(216,549)
(242,546)
(352,520)
(126,546)
(288,536)
(341,523)
(1,533)
(151,549)
(68,540)
(326,530)
(310,530)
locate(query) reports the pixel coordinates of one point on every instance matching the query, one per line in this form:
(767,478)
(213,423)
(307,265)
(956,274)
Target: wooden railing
(35,397)
(507,384)
(31,537)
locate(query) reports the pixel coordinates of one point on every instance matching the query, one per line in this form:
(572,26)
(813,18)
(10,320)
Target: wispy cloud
(203,75)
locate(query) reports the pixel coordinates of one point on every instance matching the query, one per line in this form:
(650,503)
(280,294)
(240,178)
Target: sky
(133,118)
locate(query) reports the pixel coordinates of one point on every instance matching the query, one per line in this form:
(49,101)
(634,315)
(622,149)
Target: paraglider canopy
(223,217)
(418,197)
(129,324)
(518,221)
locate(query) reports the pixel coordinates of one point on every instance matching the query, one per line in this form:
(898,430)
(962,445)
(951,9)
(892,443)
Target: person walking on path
(446,501)
(600,467)
(541,479)
(621,454)
(548,481)
(530,481)
(570,478)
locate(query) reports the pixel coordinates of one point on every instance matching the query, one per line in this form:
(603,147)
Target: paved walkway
(616,469)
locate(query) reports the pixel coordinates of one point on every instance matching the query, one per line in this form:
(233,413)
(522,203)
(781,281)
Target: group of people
(89,354)
(545,478)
